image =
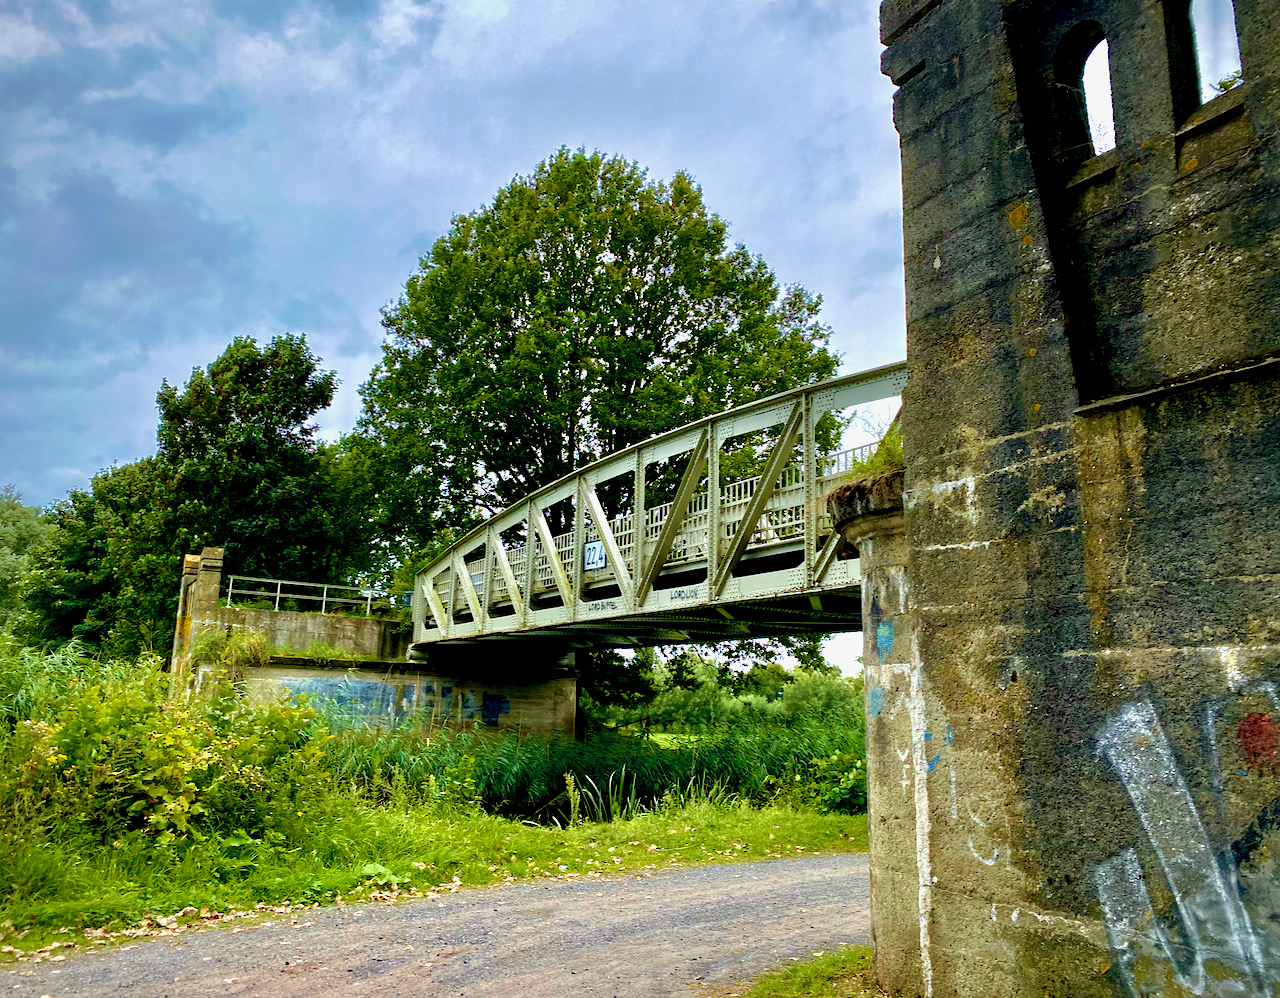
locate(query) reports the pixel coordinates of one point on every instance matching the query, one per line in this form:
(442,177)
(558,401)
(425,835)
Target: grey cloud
(261,16)
(59,250)
(326,316)
(249,180)
(155,123)
(57,82)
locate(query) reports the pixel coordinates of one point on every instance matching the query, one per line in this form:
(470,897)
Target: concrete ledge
(865,497)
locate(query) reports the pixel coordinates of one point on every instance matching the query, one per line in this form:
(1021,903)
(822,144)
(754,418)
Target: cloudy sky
(175,174)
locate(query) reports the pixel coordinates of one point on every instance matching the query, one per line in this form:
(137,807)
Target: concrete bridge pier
(869,516)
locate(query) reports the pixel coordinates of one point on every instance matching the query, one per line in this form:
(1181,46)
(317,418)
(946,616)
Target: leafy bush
(837,783)
(117,757)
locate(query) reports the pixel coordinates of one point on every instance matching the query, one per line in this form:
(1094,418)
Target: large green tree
(107,574)
(586,308)
(248,473)
(237,466)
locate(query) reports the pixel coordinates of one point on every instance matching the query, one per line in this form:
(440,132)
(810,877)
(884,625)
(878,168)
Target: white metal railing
(276,591)
(783,518)
(482,585)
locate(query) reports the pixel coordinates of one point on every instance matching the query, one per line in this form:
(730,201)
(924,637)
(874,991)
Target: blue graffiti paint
(884,637)
(875,702)
(933,762)
(928,736)
(950,736)
(494,705)
(368,700)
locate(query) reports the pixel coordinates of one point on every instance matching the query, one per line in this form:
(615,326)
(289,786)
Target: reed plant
(760,756)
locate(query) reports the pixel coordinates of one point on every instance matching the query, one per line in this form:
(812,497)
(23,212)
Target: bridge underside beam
(825,613)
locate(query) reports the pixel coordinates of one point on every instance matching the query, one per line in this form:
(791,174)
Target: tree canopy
(586,308)
(108,573)
(247,472)
(237,466)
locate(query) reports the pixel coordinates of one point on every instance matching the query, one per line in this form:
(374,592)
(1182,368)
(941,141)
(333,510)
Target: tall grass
(759,756)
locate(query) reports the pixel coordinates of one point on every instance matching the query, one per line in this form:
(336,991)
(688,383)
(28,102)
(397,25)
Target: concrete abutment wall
(527,687)
(1083,748)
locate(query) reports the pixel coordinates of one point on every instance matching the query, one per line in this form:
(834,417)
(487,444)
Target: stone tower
(1076,739)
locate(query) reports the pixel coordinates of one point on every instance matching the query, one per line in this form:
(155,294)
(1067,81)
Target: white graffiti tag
(1212,923)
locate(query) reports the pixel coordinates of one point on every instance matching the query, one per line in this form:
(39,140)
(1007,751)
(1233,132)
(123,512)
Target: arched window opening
(1096,81)
(1217,46)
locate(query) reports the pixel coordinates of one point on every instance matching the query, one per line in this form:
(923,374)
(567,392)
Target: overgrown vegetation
(886,457)
(118,802)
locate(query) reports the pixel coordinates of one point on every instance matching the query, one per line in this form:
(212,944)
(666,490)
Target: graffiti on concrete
(362,698)
(1220,937)
(493,707)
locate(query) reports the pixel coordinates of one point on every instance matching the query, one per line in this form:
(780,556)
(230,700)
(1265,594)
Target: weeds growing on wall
(886,457)
(231,652)
(117,800)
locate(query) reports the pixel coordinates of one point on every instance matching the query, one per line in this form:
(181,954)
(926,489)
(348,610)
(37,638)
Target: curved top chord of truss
(753,557)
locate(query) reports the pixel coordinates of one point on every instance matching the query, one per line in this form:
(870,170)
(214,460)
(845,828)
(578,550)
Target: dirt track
(674,932)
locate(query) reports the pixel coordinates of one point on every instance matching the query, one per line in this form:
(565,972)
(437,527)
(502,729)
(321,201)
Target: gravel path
(673,932)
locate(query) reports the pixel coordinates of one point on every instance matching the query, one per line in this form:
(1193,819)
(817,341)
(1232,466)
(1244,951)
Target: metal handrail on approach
(365,598)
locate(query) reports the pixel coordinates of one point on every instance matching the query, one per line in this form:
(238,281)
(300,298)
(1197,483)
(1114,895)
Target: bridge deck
(650,575)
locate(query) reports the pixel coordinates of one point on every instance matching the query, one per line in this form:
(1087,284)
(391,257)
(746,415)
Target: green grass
(353,850)
(844,973)
(672,740)
(320,651)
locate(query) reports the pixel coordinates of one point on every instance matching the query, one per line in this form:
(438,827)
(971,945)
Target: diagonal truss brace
(494,544)
(626,586)
(675,518)
(778,458)
(444,621)
(468,588)
(553,559)
(825,557)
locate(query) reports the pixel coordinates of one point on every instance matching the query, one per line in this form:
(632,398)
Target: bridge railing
(782,518)
(317,597)
(766,533)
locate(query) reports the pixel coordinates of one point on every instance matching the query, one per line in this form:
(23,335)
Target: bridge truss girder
(760,560)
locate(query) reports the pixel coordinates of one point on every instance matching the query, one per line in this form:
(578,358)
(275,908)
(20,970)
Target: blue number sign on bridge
(593,558)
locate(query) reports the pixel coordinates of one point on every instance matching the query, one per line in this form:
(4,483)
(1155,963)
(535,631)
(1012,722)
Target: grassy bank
(360,852)
(124,809)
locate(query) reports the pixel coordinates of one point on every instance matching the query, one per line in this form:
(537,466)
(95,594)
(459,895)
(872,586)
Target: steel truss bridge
(752,558)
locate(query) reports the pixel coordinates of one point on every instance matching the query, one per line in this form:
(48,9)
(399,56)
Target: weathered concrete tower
(1092,510)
